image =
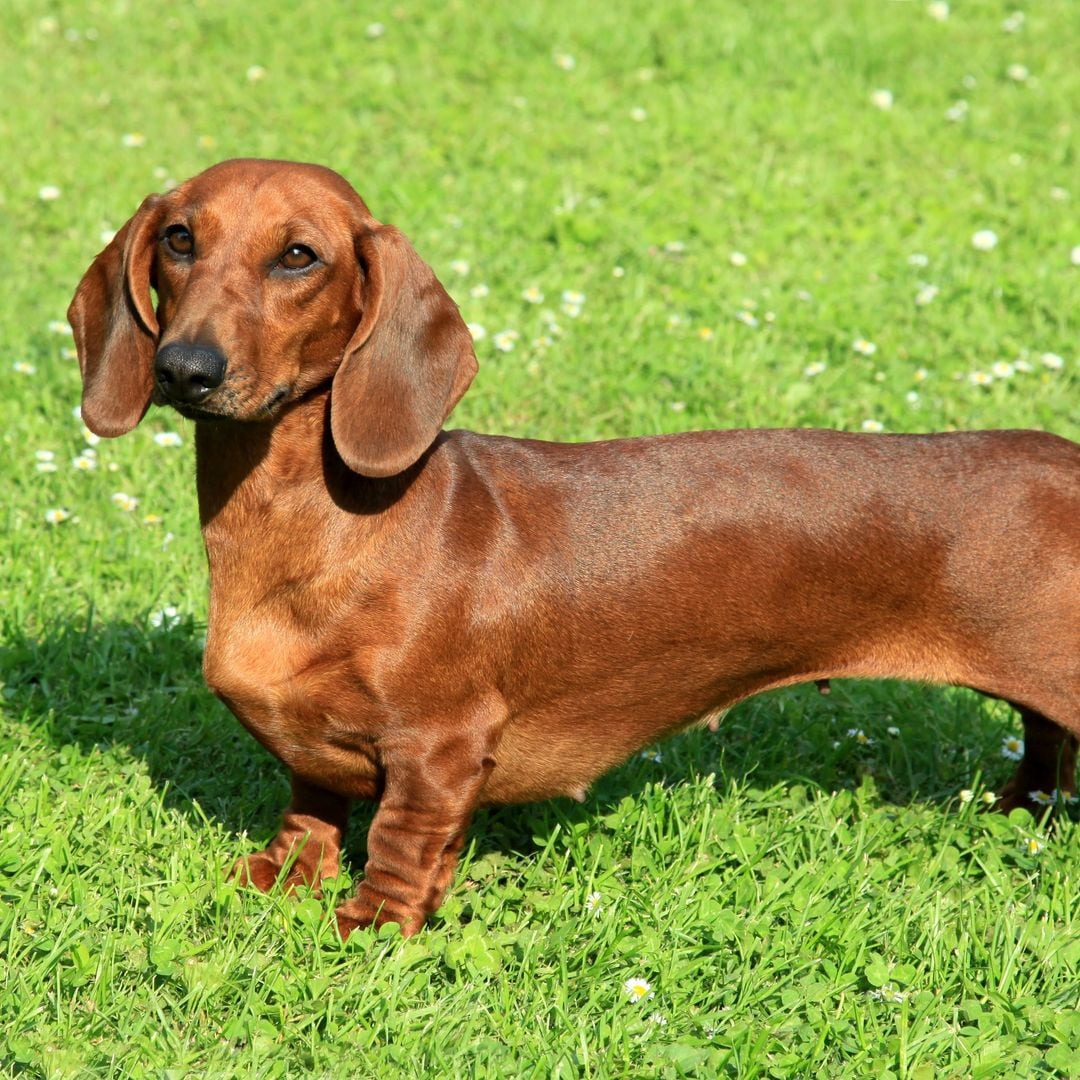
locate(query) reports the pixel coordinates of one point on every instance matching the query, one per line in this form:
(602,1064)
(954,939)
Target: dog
(444,620)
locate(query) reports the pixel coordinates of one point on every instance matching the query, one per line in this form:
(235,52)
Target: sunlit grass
(655,217)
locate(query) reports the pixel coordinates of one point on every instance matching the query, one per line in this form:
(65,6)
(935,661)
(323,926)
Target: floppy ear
(115,327)
(406,366)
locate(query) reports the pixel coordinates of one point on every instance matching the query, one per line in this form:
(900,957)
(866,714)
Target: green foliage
(719,184)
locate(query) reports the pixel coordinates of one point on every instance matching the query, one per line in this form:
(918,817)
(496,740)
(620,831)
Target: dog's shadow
(138,690)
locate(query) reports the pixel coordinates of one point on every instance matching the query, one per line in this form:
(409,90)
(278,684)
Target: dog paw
(263,870)
(364,911)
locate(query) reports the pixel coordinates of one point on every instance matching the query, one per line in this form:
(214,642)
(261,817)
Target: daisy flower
(1032,846)
(957,111)
(864,347)
(815,368)
(860,736)
(1042,799)
(476,331)
(56,515)
(593,905)
(255,73)
(460,266)
(938,10)
(984,240)
(1018,73)
(747,318)
(133,139)
(918,259)
(737,258)
(478,292)
(532,295)
(875,427)
(1002,369)
(637,989)
(84,462)
(654,756)
(48,193)
(1074,255)
(638,114)
(1014,22)
(60,326)
(166,618)
(894,731)
(1052,361)
(505,340)
(926,295)
(168,438)
(24,367)
(123,501)
(882,99)
(980,378)
(375,30)
(565,61)
(1012,748)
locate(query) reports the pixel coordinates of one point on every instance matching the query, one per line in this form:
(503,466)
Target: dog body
(443,620)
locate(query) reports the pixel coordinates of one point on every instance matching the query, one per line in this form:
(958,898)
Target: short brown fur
(442,620)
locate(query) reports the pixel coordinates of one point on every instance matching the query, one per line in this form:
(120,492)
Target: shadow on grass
(138,690)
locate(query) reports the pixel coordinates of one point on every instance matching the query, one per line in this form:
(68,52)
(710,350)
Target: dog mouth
(223,407)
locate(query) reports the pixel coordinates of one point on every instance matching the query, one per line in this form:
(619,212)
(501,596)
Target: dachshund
(440,620)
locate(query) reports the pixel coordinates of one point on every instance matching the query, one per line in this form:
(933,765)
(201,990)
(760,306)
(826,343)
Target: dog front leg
(312,830)
(416,835)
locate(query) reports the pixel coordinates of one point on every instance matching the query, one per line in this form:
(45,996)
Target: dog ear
(406,366)
(116,330)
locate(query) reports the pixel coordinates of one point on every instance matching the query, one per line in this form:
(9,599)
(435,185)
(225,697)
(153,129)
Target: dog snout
(187,374)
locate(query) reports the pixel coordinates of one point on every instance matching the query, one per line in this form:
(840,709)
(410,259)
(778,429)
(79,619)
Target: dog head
(272,279)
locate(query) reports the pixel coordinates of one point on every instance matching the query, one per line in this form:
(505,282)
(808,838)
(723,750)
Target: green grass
(801,904)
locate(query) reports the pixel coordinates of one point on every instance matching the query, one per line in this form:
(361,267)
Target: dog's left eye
(298,257)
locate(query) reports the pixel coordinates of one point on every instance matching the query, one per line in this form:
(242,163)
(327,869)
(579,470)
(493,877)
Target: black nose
(188,373)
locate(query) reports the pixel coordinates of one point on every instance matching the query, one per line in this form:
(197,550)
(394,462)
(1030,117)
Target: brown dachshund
(442,620)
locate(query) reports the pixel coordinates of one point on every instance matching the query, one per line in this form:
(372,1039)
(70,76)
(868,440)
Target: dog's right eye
(179,240)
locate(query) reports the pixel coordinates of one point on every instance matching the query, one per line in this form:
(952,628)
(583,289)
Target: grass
(801,903)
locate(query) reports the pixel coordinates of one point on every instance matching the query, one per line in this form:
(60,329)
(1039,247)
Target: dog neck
(288,465)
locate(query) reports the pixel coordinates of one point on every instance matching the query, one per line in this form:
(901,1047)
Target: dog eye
(298,257)
(179,240)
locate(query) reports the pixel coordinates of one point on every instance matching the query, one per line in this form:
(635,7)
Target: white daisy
(505,340)
(984,240)
(1012,748)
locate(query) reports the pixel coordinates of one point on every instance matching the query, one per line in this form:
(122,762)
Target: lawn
(657,215)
